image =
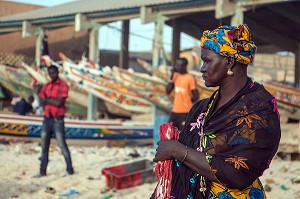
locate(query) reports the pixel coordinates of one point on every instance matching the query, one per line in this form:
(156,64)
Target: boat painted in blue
(77,129)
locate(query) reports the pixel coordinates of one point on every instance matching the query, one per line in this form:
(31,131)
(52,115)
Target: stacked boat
(124,92)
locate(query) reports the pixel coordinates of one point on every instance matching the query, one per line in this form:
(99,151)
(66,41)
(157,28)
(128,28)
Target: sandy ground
(19,162)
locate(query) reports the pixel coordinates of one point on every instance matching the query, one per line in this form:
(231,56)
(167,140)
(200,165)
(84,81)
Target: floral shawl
(239,140)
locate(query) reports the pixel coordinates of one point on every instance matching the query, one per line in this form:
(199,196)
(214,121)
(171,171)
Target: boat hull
(77,129)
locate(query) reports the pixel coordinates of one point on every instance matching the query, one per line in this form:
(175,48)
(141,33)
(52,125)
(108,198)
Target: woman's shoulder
(260,99)
(199,105)
(260,92)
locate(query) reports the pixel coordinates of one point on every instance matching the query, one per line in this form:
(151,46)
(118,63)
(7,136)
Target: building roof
(11,8)
(275,26)
(85,6)
(273,22)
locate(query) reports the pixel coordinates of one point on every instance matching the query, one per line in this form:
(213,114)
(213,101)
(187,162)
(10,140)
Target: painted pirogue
(288,97)
(107,91)
(77,129)
(148,87)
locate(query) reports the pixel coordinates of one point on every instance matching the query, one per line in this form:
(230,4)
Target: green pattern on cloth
(2,95)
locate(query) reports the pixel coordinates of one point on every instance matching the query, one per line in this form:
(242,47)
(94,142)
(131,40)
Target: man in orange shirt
(186,92)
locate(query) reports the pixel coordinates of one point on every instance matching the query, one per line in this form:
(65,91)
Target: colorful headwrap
(230,41)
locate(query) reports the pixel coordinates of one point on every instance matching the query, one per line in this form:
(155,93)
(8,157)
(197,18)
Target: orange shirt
(183,85)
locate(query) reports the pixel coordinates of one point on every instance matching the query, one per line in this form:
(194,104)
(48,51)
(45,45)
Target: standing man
(186,92)
(53,96)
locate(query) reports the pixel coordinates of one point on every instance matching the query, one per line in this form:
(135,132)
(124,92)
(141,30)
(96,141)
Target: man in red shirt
(53,96)
(186,92)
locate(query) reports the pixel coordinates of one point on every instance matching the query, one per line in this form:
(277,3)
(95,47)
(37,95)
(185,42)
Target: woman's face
(214,68)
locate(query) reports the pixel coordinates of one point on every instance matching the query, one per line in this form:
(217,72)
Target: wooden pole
(124,53)
(297,67)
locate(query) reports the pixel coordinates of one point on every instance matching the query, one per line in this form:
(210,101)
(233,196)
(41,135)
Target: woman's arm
(195,160)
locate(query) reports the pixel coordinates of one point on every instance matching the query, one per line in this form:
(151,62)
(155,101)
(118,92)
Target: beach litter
(50,190)
(71,192)
(129,174)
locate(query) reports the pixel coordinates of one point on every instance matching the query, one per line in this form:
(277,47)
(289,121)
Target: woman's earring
(229,72)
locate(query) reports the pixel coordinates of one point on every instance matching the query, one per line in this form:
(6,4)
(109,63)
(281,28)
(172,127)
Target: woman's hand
(167,150)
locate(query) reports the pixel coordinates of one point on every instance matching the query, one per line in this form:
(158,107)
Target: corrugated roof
(85,6)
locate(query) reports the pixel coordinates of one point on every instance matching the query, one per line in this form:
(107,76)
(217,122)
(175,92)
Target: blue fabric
(57,126)
(22,107)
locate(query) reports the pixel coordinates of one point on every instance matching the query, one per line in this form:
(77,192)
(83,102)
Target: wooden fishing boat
(16,80)
(103,79)
(109,88)
(164,72)
(284,93)
(77,129)
(87,66)
(123,100)
(75,95)
(287,97)
(151,88)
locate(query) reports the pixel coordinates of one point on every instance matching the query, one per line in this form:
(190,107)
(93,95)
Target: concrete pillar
(238,16)
(38,47)
(157,53)
(160,116)
(93,56)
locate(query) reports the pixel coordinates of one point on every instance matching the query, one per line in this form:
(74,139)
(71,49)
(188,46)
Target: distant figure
(53,96)
(37,107)
(186,92)
(45,49)
(23,107)
(15,99)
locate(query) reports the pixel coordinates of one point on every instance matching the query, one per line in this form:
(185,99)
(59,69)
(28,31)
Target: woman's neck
(230,88)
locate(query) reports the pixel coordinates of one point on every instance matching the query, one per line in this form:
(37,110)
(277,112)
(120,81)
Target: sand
(19,162)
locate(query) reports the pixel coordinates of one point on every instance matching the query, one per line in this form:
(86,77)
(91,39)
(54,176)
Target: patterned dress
(239,140)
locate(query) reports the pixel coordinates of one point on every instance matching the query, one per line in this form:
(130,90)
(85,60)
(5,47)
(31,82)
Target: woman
(230,138)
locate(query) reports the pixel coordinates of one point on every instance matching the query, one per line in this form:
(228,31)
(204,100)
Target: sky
(141,36)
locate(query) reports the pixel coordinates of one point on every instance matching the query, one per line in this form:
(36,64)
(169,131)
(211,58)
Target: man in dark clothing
(23,107)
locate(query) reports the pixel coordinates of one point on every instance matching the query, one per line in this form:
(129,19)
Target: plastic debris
(283,187)
(71,192)
(107,196)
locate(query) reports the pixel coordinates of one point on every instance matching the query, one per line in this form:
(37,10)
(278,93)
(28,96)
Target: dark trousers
(57,126)
(178,119)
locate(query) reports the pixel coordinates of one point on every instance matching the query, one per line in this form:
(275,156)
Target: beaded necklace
(201,134)
(199,124)
(210,104)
